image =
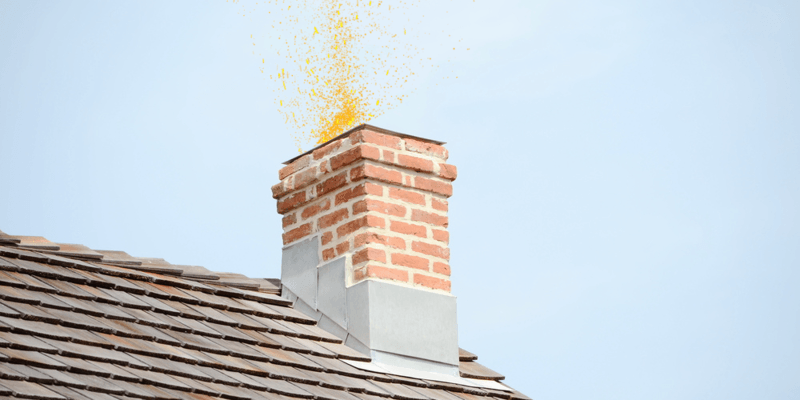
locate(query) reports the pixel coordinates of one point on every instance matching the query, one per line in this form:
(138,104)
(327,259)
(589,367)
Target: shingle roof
(77,323)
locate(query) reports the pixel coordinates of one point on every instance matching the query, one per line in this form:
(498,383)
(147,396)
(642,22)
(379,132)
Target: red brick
(431,250)
(324,167)
(289,219)
(415,163)
(445,189)
(376,138)
(374,189)
(328,254)
(409,181)
(341,248)
(305,178)
(431,282)
(315,209)
(377,173)
(291,202)
(356,153)
(374,271)
(295,166)
(448,171)
(281,188)
(370,237)
(332,184)
(327,237)
(327,149)
(332,218)
(430,218)
(408,229)
(441,235)
(369,221)
(441,268)
(405,260)
(296,233)
(365,205)
(407,195)
(440,205)
(426,148)
(348,194)
(369,254)
(387,156)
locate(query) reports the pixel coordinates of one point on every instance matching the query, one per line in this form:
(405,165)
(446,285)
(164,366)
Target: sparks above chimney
(366,245)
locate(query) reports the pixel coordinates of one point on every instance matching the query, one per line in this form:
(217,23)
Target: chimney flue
(366,245)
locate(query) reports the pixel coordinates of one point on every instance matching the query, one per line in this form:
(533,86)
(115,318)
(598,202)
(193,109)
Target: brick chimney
(366,245)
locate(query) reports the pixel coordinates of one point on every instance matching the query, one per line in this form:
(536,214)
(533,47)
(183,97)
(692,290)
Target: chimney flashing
(371,128)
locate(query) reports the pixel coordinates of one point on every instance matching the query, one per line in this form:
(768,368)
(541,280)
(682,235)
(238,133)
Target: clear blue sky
(625,223)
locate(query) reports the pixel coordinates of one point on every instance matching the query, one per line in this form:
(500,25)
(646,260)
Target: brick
(369,254)
(368,221)
(356,153)
(289,219)
(440,205)
(405,260)
(341,248)
(380,139)
(324,167)
(351,193)
(281,188)
(328,254)
(431,282)
(426,148)
(305,178)
(371,237)
(374,189)
(291,202)
(331,184)
(375,271)
(415,163)
(316,208)
(295,166)
(408,229)
(365,205)
(431,250)
(377,173)
(441,268)
(407,195)
(429,218)
(387,156)
(409,181)
(445,189)
(448,171)
(441,235)
(327,149)
(327,237)
(296,233)
(332,218)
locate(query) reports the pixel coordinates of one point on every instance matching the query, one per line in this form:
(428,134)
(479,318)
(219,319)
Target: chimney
(366,246)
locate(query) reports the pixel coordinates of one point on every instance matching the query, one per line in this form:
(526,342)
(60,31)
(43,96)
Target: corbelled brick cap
(378,196)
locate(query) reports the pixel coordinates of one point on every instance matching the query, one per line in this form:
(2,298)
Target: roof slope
(82,324)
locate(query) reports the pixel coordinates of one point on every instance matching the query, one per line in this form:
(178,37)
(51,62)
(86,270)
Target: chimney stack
(366,245)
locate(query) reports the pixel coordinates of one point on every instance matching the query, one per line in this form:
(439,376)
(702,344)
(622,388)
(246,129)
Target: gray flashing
(407,321)
(404,327)
(331,291)
(416,364)
(299,269)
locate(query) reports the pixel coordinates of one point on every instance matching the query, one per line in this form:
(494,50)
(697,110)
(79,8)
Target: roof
(77,323)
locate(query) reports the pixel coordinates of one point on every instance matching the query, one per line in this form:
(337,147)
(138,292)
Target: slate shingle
(81,324)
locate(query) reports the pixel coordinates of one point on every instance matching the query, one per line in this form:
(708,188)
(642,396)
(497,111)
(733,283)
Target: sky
(625,222)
